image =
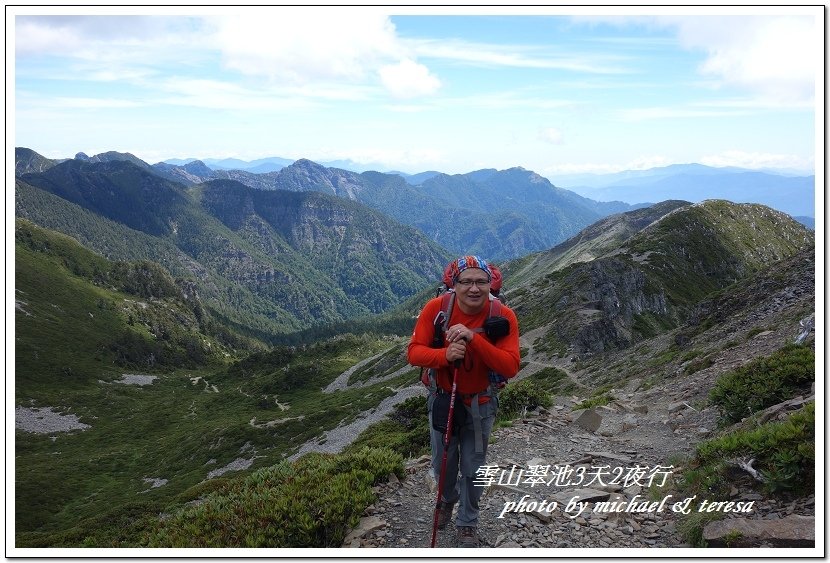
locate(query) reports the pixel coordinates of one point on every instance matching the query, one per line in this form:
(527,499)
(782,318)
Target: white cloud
(776,57)
(497,101)
(551,135)
(107,38)
(314,47)
(408,79)
(516,56)
(723,108)
(230,96)
(32,37)
(301,45)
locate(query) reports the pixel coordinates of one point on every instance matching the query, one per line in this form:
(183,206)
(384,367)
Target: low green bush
(519,397)
(698,364)
(313,502)
(784,451)
(764,382)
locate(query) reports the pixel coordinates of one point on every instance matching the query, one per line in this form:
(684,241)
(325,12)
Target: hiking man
(468,353)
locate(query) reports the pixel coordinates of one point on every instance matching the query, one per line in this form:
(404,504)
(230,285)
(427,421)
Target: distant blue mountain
(261,165)
(177,161)
(273,164)
(353,166)
(808,222)
(786,192)
(419,178)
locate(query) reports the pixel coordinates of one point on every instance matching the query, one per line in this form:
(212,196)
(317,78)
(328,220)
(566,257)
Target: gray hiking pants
(462,445)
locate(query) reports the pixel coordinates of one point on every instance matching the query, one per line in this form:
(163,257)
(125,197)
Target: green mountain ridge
(27,160)
(256,276)
(638,286)
(502,214)
(592,242)
(116,189)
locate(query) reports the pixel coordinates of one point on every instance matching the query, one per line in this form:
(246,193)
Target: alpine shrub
(313,502)
(764,382)
(784,451)
(595,401)
(517,398)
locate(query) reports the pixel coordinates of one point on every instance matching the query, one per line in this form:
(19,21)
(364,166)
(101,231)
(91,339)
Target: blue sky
(422,88)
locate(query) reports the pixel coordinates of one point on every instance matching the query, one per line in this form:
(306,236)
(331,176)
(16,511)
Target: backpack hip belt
(474,408)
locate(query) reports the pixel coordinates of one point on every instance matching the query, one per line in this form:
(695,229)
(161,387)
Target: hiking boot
(444,514)
(467,536)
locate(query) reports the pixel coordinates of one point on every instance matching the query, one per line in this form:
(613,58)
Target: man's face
(472,289)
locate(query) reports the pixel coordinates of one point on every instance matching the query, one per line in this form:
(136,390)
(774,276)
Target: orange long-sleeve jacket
(482,356)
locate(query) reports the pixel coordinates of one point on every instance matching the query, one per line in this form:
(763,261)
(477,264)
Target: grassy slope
(173,429)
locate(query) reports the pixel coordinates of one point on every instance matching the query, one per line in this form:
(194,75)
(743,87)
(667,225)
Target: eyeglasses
(469,283)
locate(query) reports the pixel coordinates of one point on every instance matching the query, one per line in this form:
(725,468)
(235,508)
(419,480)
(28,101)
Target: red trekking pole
(447,436)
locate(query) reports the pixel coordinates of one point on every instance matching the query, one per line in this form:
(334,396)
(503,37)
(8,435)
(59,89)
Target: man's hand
(456,351)
(457,335)
(459,332)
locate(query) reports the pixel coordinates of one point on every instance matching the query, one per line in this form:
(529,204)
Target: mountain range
(790,191)
(270,262)
(503,214)
(632,276)
(507,227)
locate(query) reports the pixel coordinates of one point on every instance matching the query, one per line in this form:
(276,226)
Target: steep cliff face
(350,248)
(595,306)
(652,280)
(306,175)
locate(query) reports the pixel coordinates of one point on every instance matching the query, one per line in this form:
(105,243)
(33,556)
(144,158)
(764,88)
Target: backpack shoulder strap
(495,306)
(441,324)
(447,304)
